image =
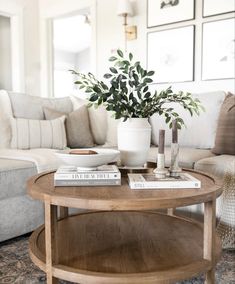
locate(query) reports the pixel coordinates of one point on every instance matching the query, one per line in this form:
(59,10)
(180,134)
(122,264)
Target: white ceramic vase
(134,136)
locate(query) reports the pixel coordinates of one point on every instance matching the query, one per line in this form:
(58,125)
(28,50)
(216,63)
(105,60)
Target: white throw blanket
(44,159)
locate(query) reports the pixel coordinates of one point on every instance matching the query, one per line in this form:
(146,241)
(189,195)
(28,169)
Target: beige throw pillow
(31,133)
(225,134)
(77,126)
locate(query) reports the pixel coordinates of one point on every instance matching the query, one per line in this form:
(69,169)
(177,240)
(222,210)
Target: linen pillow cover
(31,133)
(77,126)
(97,118)
(225,134)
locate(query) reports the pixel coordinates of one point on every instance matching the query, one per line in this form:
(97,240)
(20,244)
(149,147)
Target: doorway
(71,50)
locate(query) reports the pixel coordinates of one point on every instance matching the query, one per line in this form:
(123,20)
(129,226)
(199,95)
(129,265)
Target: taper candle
(161,143)
(174,131)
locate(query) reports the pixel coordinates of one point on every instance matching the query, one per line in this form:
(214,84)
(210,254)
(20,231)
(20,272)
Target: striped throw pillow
(30,133)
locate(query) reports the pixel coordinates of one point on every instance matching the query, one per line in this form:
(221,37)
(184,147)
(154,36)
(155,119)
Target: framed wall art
(170,54)
(162,12)
(217,7)
(218,50)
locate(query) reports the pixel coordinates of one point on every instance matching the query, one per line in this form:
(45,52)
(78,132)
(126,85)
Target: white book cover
(150,181)
(74,173)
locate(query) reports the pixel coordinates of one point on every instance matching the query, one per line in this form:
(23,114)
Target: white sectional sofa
(20,214)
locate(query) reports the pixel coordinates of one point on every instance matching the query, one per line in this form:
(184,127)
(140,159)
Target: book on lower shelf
(150,181)
(102,176)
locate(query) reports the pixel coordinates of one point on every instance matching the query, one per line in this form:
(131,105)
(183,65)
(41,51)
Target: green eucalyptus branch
(128,92)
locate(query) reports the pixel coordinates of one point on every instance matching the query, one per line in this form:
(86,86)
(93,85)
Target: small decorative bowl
(103,156)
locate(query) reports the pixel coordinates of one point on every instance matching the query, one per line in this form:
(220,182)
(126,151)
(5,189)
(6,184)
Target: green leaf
(120,53)
(113,70)
(147,95)
(168,119)
(107,76)
(112,58)
(148,80)
(130,56)
(96,89)
(93,98)
(150,73)
(145,89)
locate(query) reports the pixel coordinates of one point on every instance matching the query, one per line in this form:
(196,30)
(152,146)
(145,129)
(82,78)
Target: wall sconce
(124,10)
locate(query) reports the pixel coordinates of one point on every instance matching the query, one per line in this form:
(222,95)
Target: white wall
(83,61)
(141,44)
(109,36)
(5,53)
(31,46)
(30,42)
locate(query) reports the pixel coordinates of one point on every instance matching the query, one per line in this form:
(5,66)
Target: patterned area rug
(16,266)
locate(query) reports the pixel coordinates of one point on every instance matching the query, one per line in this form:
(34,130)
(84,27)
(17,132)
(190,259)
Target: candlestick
(174,131)
(161,142)
(175,170)
(161,171)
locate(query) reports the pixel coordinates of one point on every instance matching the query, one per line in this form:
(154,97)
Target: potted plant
(127,94)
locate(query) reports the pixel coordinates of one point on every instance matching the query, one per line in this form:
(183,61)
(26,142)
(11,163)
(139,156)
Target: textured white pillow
(5,115)
(200,130)
(111,136)
(30,133)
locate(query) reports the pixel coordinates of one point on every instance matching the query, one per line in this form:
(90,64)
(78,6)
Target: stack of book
(150,181)
(105,175)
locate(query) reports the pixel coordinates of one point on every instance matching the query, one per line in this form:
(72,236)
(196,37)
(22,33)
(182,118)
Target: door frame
(15,13)
(49,13)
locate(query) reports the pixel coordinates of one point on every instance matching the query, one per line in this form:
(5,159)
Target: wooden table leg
(51,238)
(64,212)
(209,238)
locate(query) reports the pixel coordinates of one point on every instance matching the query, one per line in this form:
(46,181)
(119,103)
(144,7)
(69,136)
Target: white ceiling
(71,34)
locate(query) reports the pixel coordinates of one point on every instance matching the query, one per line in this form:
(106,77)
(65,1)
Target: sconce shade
(124,8)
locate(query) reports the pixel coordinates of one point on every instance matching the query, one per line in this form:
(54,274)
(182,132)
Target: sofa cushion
(225,134)
(25,106)
(31,133)
(187,156)
(20,215)
(194,135)
(112,125)
(77,126)
(5,115)
(98,120)
(13,176)
(217,165)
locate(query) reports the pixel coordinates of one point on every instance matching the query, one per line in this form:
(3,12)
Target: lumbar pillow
(225,134)
(30,133)
(77,126)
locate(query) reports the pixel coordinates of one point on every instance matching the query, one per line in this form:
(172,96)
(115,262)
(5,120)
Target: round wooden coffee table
(120,239)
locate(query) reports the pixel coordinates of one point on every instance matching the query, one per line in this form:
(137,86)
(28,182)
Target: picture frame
(163,12)
(217,7)
(171,62)
(218,50)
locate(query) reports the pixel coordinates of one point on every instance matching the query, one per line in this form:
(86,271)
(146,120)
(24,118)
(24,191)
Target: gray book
(96,182)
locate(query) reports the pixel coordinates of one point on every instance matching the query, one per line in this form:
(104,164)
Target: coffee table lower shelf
(125,247)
